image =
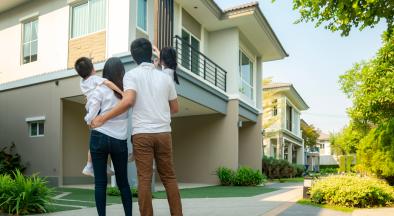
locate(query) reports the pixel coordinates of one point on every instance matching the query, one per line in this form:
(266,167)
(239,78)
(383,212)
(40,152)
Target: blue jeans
(101,146)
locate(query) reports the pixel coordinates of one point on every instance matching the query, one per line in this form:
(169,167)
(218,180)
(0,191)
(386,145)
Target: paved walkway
(281,202)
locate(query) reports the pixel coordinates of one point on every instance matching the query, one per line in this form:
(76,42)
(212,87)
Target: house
(326,155)
(312,153)
(220,53)
(281,122)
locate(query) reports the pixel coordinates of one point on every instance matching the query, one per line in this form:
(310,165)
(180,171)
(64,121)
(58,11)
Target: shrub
(352,191)
(328,171)
(248,177)
(114,191)
(10,161)
(278,168)
(225,175)
(24,195)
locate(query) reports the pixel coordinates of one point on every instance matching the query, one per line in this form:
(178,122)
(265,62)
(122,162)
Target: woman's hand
(97,122)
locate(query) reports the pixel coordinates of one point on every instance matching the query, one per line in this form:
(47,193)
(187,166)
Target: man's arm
(174,106)
(127,101)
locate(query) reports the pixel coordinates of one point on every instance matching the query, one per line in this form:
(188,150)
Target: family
(148,90)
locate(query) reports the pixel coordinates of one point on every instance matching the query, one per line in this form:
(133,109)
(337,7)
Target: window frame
(23,23)
(145,31)
(79,3)
(183,29)
(241,81)
(37,123)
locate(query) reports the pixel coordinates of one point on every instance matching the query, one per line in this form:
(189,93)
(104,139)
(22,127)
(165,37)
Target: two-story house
(220,53)
(326,154)
(281,122)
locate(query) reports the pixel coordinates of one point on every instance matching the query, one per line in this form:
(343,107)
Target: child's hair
(84,67)
(168,57)
(141,50)
(114,72)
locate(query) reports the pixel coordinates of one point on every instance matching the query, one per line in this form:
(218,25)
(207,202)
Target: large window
(246,75)
(142,14)
(190,52)
(88,17)
(289,118)
(36,129)
(30,41)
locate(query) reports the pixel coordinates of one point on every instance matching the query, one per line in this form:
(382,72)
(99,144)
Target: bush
(10,161)
(328,171)
(225,175)
(352,191)
(24,195)
(328,166)
(248,177)
(114,191)
(244,176)
(278,168)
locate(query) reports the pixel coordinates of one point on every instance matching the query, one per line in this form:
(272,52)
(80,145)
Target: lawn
(218,192)
(337,208)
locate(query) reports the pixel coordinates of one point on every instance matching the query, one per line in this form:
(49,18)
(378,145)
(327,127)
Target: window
(286,152)
(142,14)
(275,111)
(274,147)
(289,117)
(36,129)
(246,75)
(87,18)
(190,52)
(30,41)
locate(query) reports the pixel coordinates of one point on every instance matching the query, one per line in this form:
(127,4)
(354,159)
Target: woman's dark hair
(114,71)
(168,57)
(141,50)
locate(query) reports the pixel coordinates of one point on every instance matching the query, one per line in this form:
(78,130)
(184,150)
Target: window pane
(80,20)
(97,15)
(195,59)
(33,48)
(27,32)
(141,16)
(33,129)
(26,53)
(41,128)
(185,50)
(34,30)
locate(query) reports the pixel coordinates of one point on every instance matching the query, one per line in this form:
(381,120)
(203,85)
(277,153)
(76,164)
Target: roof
(324,136)
(284,87)
(241,6)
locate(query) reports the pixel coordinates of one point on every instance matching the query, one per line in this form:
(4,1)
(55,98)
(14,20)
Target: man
(152,95)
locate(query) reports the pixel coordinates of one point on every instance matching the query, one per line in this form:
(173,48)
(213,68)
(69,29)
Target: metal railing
(199,64)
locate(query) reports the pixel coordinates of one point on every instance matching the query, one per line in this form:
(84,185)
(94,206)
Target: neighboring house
(281,121)
(220,55)
(326,155)
(312,154)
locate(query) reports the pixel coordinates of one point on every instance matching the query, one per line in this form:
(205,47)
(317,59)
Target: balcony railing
(193,60)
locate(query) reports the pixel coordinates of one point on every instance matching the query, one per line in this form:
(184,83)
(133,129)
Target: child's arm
(112,86)
(93,107)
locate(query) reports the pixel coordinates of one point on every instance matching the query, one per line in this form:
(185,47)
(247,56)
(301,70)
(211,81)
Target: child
(167,61)
(89,82)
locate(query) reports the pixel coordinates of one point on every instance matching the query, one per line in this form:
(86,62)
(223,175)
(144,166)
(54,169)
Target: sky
(317,57)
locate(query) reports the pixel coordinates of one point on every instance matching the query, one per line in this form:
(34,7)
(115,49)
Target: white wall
(118,26)
(53,28)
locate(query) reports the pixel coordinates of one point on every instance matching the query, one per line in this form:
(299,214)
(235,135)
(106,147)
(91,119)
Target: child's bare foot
(110,172)
(88,170)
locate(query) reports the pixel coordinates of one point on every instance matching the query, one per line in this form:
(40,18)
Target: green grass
(289,180)
(337,208)
(218,192)
(56,208)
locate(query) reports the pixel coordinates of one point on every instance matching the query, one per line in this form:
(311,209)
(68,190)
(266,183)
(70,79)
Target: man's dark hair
(84,67)
(141,50)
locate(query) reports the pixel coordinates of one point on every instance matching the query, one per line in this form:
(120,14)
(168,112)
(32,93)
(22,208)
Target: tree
(346,141)
(370,86)
(309,134)
(344,15)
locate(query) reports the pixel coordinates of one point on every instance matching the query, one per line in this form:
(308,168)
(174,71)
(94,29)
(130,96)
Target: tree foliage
(346,141)
(370,86)
(344,15)
(310,135)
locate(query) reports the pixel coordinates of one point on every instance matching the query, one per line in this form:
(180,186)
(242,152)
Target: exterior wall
(92,46)
(203,143)
(119,26)
(53,22)
(75,143)
(250,139)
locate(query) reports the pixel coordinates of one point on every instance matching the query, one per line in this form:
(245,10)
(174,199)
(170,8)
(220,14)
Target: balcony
(197,63)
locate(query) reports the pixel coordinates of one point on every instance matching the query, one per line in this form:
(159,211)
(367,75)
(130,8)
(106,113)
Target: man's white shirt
(151,112)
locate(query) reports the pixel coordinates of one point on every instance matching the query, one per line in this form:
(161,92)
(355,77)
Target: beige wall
(250,144)
(92,46)
(75,139)
(203,143)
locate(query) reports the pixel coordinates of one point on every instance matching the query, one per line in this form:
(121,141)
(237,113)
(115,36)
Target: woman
(110,139)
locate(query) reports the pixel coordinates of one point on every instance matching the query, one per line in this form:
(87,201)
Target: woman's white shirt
(103,100)
(170,72)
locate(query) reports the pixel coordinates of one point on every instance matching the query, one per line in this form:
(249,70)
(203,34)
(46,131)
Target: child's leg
(88,169)
(89,158)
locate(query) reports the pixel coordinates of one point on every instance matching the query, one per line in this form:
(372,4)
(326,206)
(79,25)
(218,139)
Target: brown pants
(158,146)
